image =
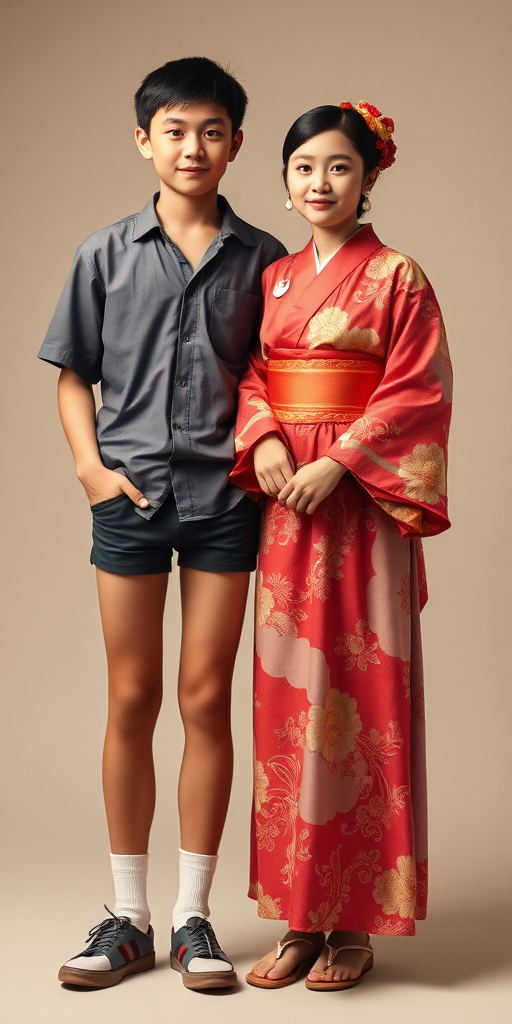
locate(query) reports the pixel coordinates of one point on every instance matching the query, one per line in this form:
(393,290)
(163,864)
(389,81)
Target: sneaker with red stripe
(115,949)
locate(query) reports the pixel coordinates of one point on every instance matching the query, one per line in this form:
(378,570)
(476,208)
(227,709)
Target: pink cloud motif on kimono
(293,659)
(395,890)
(358,647)
(425,473)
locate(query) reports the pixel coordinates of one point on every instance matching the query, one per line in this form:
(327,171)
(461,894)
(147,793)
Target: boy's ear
(143,144)
(236,142)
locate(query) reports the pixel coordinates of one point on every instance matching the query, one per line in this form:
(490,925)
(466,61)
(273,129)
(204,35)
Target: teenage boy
(162,308)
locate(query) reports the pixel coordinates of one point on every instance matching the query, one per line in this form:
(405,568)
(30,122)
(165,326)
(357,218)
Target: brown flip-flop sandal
(332,986)
(316,942)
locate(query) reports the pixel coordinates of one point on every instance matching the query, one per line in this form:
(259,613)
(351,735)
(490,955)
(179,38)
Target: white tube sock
(196,876)
(129,872)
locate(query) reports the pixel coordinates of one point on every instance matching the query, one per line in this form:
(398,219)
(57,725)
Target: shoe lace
(204,940)
(102,937)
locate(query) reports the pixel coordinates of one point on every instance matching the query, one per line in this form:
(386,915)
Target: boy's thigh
(132,610)
(127,544)
(213,608)
(223,544)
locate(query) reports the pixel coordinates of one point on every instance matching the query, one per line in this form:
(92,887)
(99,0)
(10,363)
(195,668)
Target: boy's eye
(175,132)
(211,133)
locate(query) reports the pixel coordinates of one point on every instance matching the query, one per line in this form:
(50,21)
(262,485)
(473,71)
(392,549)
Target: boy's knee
(205,706)
(135,704)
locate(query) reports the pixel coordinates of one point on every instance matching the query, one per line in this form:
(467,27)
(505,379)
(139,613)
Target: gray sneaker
(128,950)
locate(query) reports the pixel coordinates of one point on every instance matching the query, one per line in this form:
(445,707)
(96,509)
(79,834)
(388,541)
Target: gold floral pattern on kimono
(395,890)
(278,815)
(382,271)
(332,729)
(405,593)
(261,785)
(279,525)
(372,428)
(330,327)
(337,882)
(425,472)
(358,647)
(268,909)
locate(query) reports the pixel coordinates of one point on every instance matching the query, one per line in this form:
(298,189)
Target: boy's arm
(77,410)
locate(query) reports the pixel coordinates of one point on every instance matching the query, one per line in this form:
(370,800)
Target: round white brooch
(280,288)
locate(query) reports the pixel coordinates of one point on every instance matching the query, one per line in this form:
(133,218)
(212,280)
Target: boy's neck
(179,213)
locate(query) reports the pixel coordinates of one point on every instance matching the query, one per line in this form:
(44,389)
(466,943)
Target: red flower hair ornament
(382,127)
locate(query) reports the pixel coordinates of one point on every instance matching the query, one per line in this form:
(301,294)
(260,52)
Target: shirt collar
(147,221)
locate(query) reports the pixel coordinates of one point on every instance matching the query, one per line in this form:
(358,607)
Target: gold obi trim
(330,389)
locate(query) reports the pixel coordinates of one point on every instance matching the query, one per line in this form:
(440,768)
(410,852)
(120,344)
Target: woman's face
(325,179)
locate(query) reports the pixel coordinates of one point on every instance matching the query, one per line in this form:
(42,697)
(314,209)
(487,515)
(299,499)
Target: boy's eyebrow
(335,156)
(182,120)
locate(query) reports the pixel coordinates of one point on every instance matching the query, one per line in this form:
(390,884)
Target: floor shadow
(455,944)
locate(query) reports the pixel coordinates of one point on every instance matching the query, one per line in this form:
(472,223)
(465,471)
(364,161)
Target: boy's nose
(193,146)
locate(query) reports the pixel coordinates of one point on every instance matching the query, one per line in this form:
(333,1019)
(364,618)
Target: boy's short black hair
(186,81)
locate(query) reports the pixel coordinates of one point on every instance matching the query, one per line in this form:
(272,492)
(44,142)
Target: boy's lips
(193,170)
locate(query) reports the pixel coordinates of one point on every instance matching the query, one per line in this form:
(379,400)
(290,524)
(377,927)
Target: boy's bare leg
(213,606)
(132,610)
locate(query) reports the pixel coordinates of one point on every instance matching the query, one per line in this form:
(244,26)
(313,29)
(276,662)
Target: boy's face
(190,146)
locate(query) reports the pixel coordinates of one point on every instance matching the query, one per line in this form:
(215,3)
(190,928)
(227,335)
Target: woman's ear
(370,179)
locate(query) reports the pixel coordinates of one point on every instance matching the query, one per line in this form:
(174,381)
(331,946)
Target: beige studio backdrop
(70,166)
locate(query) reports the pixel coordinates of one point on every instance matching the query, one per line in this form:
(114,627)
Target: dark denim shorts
(126,544)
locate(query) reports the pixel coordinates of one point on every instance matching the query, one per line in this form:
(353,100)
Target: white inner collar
(319,266)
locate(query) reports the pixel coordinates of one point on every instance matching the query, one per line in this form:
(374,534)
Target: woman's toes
(261,968)
(315,975)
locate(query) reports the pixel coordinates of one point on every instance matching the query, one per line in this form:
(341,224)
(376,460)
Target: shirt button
(186,337)
(183,383)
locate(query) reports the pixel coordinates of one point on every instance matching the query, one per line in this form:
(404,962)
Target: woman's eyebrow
(335,156)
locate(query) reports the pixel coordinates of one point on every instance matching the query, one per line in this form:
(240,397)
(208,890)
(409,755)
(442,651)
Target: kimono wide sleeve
(255,421)
(397,449)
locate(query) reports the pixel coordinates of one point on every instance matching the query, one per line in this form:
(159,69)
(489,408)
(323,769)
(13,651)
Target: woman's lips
(322,204)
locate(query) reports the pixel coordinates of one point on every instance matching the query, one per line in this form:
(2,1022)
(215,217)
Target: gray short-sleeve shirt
(168,346)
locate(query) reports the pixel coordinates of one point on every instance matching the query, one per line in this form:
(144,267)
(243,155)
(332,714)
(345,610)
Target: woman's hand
(101,483)
(311,484)
(273,465)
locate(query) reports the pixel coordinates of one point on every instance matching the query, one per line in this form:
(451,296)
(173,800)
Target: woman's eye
(303,167)
(339,167)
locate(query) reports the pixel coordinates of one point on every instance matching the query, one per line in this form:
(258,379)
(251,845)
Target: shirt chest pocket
(233,318)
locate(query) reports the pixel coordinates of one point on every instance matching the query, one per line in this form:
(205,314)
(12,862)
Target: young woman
(343,422)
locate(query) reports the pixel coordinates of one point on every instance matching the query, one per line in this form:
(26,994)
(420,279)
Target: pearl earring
(288,203)
(366,204)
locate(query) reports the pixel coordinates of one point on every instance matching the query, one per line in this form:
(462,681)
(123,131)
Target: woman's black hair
(327,119)
(187,81)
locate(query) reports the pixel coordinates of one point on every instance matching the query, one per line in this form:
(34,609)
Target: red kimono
(339,837)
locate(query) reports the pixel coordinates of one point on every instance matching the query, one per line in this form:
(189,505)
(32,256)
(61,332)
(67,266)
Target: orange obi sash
(321,385)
